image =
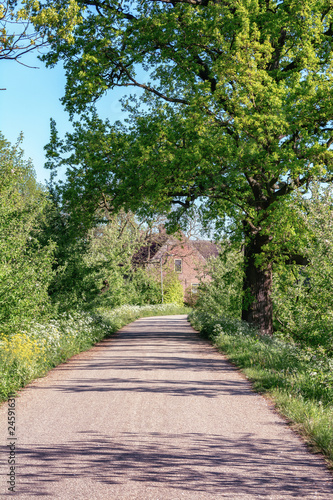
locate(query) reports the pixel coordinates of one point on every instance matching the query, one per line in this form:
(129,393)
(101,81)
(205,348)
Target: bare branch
(135,83)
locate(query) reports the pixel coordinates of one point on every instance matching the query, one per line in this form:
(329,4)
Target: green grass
(116,318)
(30,353)
(298,379)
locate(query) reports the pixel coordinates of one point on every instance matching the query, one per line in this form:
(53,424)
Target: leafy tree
(25,265)
(302,296)
(238,114)
(147,289)
(70,269)
(109,255)
(95,267)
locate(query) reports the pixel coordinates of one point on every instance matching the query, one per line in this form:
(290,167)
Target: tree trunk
(257,307)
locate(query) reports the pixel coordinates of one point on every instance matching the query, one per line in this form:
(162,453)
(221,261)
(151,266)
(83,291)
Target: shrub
(223,295)
(302,295)
(173,289)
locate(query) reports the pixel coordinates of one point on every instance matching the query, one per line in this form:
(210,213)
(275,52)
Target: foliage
(25,265)
(238,114)
(147,290)
(110,257)
(191,296)
(28,354)
(223,295)
(172,289)
(303,301)
(94,268)
(300,380)
(20,355)
(70,271)
(302,295)
(31,353)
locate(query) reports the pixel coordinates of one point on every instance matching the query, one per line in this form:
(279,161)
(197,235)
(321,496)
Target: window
(194,287)
(178,265)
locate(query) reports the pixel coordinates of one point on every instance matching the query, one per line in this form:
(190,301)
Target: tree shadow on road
(203,388)
(210,464)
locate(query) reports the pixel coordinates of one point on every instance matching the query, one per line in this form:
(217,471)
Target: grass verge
(298,379)
(30,353)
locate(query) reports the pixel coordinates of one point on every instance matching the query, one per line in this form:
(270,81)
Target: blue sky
(31,98)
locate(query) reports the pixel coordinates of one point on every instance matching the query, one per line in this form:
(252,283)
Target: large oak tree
(239,113)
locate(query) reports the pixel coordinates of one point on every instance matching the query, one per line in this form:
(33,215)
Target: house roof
(206,248)
(151,247)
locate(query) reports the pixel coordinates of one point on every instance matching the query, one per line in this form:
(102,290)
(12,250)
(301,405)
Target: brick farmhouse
(186,257)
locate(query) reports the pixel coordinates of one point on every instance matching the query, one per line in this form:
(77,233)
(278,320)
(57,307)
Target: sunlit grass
(298,379)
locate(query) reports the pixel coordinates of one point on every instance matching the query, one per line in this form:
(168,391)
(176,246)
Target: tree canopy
(238,113)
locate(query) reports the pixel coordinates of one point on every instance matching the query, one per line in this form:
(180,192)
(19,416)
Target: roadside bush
(302,295)
(222,295)
(191,298)
(30,353)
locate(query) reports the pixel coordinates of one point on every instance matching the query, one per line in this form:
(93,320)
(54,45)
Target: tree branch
(104,5)
(299,260)
(135,83)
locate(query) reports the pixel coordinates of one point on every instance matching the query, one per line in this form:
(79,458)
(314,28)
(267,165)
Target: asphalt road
(154,413)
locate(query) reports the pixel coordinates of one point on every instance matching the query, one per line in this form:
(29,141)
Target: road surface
(154,413)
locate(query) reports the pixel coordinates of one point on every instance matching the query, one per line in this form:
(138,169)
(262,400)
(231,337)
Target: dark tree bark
(257,307)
